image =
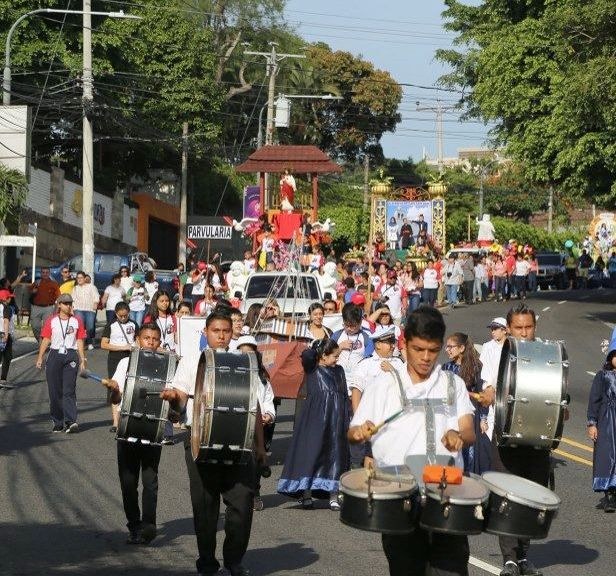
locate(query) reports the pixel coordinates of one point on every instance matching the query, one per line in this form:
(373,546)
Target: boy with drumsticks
(409,438)
(137,457)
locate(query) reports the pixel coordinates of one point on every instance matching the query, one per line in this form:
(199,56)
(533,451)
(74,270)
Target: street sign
(23,241)
(32,229)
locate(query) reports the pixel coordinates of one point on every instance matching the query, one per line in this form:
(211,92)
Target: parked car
(551,271)
(293,292)
(108,264)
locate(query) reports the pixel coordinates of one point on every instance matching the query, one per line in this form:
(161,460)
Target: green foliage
(13,191)
(544,74)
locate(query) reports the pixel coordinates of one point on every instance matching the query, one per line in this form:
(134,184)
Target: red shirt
(63,332)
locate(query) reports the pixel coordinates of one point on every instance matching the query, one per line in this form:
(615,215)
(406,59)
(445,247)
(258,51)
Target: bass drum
(143,414)
(383,500)
(225,407)
(519,507)
(458,509)
(531,395)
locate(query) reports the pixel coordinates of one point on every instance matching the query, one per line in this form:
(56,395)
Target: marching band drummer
(210,482)
(137,457)
(525,461)
(419,552)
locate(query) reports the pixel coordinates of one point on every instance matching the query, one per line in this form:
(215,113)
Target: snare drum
(225,406)
(143,414)
(531,395)
(458,509)
(383,500)
(519,507)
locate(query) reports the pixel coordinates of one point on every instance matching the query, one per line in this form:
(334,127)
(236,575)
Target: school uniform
(119,334)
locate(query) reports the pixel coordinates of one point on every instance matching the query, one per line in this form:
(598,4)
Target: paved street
(61,511)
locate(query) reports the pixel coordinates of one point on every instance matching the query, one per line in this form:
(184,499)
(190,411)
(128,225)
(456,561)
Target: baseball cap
(137,278)
(246,339)
(358,299)
(201,265)
(498,322)
(65,299)
(391,274)
(383,333)
(5,294)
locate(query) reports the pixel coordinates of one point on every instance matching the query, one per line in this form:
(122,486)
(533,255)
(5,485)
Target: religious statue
(485,235)
(287,187)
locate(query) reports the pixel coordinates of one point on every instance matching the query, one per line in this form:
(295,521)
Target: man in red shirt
(44,295)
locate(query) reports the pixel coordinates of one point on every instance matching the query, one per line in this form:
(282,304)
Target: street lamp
(483,171)
(6,80)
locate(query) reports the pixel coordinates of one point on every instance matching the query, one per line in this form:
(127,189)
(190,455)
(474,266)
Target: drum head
(355,483)
(469,492)
(521,490)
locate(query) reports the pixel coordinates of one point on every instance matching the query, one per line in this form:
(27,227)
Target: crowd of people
(388,345)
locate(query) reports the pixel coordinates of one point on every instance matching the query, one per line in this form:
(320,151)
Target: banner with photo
(408,223)
(252,202)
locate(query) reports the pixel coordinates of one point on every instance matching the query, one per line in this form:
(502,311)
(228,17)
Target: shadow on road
(562,552)
(283,558)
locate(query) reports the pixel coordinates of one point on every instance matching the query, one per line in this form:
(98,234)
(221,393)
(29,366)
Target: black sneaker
(510,569)
(72,428)
(57,428)
(113,429)
(134,537)
(527,568)
(148,533)
(609,505)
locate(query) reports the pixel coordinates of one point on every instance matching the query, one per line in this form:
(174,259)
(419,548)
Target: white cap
(384,333)
(498,322)
(246,339)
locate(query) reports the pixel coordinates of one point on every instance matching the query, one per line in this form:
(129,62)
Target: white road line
(545,309)
(484,565)
(562,301)
(26,355)
(591,373)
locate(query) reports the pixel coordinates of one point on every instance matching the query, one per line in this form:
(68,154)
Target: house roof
(296,159)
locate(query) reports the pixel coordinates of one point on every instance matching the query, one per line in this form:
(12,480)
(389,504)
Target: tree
(544,74)
(13,190)
(353,126)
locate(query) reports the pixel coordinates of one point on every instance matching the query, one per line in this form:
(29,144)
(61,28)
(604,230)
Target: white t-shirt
(394,296)
(349,359)
(120,334)
(126,282)
(522,268)
(168,329)
(369,370)
(150,289)
(136,302)
(490,359)
(430,278)
(406,435)
(250,264)
(267,244)
(115,294)
(63,333)
(198,288)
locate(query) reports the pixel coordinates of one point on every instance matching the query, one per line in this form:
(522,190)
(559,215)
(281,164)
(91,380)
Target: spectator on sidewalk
(7,333)
(44,295)
(113,294)
(85,303)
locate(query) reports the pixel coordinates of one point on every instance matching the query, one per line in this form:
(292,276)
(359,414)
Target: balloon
(569,244)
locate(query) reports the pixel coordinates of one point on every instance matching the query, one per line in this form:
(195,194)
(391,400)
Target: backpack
(368,343)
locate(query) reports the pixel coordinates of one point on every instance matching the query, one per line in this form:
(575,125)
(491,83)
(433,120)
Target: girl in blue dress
(601,428)
(319,451)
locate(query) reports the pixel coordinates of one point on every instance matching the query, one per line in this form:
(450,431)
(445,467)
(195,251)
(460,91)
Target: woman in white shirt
(113,294)
(136,300)
(430,283)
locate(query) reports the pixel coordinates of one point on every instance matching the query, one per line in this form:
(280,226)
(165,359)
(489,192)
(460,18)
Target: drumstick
(387,420)
(87,374)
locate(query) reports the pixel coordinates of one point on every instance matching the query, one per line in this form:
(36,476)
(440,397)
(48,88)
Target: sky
(401,37)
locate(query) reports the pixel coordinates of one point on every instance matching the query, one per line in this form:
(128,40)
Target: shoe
(148,533)
(307,503)
(527,568)
(257,504)
(113,429)
(238,570)
(72,428)
(609,504)
(167,441)
(90,346)
(134,537)
(57,428)
(334,505)
(510,569)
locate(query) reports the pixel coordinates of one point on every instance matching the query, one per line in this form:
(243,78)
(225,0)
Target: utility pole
(550,208)
(439,110)
(184,195)
(272,59)
(88,146)
(366,188)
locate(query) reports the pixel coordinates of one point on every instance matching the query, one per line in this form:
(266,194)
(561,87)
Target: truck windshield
(549,259)
(282,286)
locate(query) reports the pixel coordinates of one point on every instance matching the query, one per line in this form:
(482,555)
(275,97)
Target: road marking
(577,444)
(562,301)
(591,373)
(26,355)
(484,565)
(545,309)
(573,457)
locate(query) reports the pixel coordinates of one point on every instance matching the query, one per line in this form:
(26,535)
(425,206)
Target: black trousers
(420,553)
(5,358)
(135,458)
(61,373)
(208,483)
(528,463)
